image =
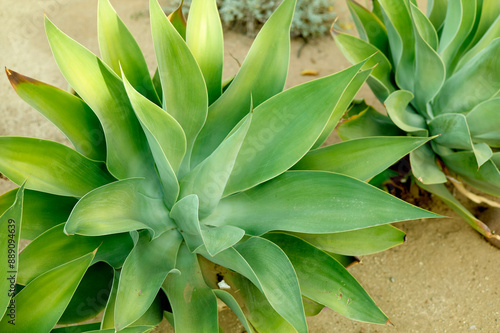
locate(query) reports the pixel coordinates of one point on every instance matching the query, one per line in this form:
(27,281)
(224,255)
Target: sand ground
(443,279)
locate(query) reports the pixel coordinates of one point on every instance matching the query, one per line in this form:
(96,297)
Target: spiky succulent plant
(438,75)
(178,192)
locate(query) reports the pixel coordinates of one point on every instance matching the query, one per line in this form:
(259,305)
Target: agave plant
(182,191)
(438,75)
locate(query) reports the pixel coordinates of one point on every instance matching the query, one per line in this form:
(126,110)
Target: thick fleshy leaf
(103,91)
(424,166)
(10,221)
(118,207)
(430,71)
(360,158)
(269,269)
(320,276)
(121,52)
(229,300)
(91,296)
(68,112)
(184,91)
(209,178)
(215,239)
(356,50)
(285,127)
(490,12)
(205,40)
(50,250)
(358,242)
(436,11)
(311,308)
(484,123)
(143,274)
(482,152)
(369,26)
(193,303)
(312,202)
(402,115)
(76,328)
(166,139)
(401,40)
(261,76)
(367,123)
(478,80)
(341,107)
(41,211)
(442,192)
(424,27)
(41,303)
(108,318)
(457,26)
(256,307)
(50,167)
(453,131)
(178,20)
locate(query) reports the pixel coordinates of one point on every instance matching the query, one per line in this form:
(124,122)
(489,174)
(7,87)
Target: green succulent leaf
(367,123)
(424,166)
(41,303)
(477,80)
(166,139)
(193,303)
(178,20)
(369,26)
(290,122)
(121,52)
(184,90)
(261,76)
(118,207)
(269,269)
(360,158)
(482,152)
(10,221)
(484,123)
(205,40)
(436,11)
(311,308)
(311,202)
(453,131)
(76,328)
(68,112)
(256,306)
(489,17)
(209,178)
(142,275)
(91,296)
(50,167)
(358,242)
(229,300)
(41,211)
(103,91)
(319,275)
(423,26)
(402,115)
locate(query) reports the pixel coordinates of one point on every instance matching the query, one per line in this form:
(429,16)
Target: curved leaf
(358,242)
(312,202)
(369,26)
(436,11)
(76,328)
(41,303)
(103,91)
(143,274)
(360,158)
(184,91)
(190,297)
(50,167)
(68,112)
(41,211)
(484,123)
(285,127)
(10,221)
(91,296)
(205,40)
(424,166)
(490,12)
(320,276)
(453,131)
(399,111)
(423,26)
(229,300)
(166,139)
(118,207)
(367,123)
(261,76)
(178,20)
(121,52)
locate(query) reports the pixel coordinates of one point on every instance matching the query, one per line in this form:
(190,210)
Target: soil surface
(445,278)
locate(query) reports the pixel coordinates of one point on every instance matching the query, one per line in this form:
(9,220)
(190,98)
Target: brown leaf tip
(16,79)
(389,323)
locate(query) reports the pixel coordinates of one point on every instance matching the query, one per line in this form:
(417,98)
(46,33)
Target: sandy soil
(444,279)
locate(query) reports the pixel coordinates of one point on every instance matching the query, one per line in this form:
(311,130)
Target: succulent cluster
(182,190)
(438,76)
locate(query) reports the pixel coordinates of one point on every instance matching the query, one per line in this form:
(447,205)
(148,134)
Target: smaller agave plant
(183,191)
(438,75)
